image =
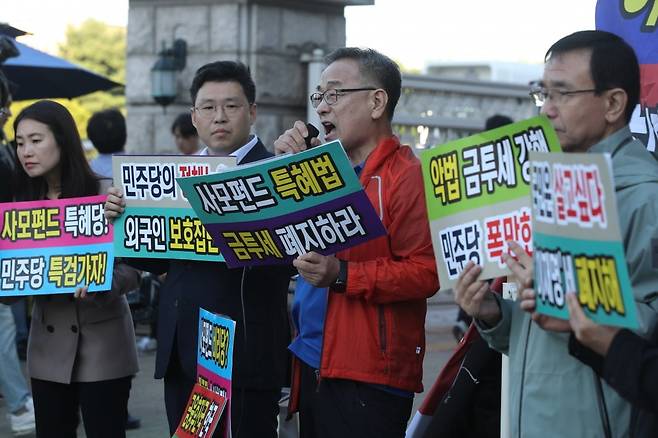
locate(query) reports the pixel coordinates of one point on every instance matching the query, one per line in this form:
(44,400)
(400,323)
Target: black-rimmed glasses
(540,95)
(208,110)
(331,96)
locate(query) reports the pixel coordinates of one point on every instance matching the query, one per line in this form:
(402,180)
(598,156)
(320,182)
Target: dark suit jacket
(259,354)
(6,172)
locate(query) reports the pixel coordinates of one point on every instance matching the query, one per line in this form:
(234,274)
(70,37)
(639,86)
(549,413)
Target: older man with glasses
(361,313)
(589,90)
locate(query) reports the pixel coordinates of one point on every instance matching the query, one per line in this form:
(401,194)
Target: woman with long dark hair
(81,350)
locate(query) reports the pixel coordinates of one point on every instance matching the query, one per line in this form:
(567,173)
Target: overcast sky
(413,32)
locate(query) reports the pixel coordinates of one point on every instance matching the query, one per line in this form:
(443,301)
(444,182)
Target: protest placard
(215,359)
(477,193)
(202,413)
(274,210)
(158,221)
(55,246)
(635,22)
(577,240)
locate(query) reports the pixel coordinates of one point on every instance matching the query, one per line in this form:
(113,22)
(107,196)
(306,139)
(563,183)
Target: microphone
(312,133)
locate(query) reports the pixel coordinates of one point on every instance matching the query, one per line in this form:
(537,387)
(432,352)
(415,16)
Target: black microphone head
(313,132)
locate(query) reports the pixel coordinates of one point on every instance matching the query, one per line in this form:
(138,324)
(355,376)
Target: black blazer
(6,172)
(260,351)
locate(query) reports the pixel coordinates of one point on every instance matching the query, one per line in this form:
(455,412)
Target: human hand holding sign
(81,293)
(319,270)
(474,296)
(594,336)
(522,269)
(115,205)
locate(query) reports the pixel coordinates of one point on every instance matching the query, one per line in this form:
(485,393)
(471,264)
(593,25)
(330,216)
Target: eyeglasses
(558,97)
(208,110)
(331,96)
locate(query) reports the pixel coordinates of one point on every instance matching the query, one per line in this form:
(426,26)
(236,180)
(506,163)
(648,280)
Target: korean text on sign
(577,239)
(215,359)
(158,221)
(477,194)
(55,246)
(271,211)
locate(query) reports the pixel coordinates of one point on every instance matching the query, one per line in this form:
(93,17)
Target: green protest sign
(159,221)
(477,194)
(577,240)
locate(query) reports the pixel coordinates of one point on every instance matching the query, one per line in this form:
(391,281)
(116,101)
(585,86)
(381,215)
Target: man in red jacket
(367,361)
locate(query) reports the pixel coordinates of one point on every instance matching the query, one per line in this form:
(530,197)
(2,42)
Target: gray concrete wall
(269,36)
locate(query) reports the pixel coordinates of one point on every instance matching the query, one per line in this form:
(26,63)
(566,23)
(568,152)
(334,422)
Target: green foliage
(100,48)
(405,69)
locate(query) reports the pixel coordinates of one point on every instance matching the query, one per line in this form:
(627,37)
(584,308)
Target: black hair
(5,92)
(376,67)
(77,178)
(496,121)
(107,131)
(184,124)
(224,71)
(613,63)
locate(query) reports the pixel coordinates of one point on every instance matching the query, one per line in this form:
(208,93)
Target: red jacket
(375,331)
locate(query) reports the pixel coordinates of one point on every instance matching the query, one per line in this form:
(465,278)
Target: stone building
(271,36)
(434,110)
(279,39)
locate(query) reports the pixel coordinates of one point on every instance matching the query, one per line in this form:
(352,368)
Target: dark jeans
(346,408)
(308,402)
(19,309)
(103,405)
(254,414)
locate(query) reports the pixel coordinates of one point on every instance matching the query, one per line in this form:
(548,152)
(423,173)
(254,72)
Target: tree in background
(98,47)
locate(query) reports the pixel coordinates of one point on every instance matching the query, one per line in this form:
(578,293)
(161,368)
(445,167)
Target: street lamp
(164,73)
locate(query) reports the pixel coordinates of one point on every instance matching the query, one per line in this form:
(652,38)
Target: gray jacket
(552,393)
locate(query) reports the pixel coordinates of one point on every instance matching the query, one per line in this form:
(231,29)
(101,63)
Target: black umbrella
(39,75)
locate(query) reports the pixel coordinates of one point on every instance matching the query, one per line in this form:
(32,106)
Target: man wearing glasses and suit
(223,94)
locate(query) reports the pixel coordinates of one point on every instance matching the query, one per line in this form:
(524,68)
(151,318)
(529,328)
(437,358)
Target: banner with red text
(477,193)
(576,239)
(55,246)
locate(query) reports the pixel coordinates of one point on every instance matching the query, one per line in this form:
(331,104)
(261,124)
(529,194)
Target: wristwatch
(340,283)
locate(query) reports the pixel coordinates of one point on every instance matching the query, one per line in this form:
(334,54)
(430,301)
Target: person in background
(7,168)
(7,153)
(107,132)
(185,135)
(625,360)
(496,121)
(81,349)
(13,386)
(471,405)
(463,318)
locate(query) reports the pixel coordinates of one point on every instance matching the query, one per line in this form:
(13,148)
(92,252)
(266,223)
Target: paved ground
(146,400)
